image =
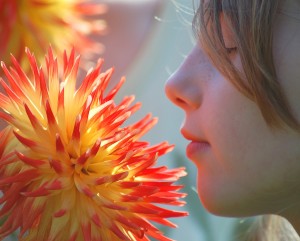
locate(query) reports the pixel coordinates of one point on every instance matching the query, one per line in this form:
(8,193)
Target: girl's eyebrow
(292,14)
(290,9)
(290,6)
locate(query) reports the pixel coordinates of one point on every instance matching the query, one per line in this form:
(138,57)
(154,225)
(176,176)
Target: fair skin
(245,167)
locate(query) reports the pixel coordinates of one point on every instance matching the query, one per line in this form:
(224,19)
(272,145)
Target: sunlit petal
(38,23)
(70,168)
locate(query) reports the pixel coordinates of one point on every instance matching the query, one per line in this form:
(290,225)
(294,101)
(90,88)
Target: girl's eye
(231,50)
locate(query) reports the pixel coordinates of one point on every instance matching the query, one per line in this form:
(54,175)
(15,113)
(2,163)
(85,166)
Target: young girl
(239,88)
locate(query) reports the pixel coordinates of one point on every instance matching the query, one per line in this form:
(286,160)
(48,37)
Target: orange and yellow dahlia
(37,23)
(70,169)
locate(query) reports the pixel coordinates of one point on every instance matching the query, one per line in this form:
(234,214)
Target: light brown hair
(251,25)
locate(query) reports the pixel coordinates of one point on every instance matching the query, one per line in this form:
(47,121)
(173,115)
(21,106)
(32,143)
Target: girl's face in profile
(244,166)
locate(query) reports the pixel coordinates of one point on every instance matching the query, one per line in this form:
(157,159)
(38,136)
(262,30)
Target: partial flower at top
(37,23)
(70,169)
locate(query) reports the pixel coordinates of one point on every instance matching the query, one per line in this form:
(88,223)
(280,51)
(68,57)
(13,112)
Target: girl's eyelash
(231,50)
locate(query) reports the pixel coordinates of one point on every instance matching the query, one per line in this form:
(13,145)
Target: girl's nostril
(180,101)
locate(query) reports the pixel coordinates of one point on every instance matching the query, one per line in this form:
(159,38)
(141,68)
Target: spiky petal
(70,168)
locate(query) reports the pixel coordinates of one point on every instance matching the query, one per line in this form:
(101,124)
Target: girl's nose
(183,88)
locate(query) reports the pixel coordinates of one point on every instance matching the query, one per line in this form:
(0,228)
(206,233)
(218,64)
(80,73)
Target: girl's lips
(196,148)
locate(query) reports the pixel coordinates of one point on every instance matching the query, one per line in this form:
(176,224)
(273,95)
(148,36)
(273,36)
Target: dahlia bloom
(37,23)
(69,167)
